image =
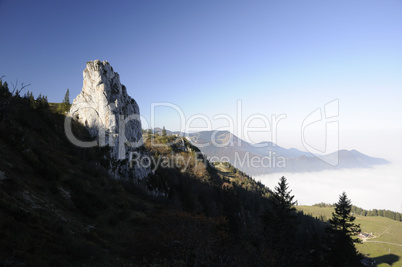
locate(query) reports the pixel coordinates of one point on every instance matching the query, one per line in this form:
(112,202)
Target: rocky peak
(109,113)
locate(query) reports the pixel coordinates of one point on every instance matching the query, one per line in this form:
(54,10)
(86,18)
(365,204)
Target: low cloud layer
(375,188)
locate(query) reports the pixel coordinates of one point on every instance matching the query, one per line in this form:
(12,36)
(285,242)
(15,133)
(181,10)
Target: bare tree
(17,91)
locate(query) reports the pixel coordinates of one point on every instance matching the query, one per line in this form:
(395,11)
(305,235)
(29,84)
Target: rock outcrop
(111,116)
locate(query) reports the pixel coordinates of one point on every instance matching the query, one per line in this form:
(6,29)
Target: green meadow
(385,245)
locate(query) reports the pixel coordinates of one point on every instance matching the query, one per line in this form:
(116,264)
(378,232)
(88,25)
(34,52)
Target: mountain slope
(59,206)
(270,158)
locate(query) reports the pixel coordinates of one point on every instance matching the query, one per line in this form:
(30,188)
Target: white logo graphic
(330,127)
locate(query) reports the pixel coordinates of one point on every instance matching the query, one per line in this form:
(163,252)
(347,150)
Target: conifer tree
(280,221)
(164,132)
(67,97)
(283,204)
(65,105)
(282,196)
(341,232)
(4,90)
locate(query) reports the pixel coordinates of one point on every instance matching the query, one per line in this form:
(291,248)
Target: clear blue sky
(277,57)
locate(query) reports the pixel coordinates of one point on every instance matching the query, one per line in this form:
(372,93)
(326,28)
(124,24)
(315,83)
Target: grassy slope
(383,229)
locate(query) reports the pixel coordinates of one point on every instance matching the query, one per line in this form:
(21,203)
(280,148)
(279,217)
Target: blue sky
(276,57)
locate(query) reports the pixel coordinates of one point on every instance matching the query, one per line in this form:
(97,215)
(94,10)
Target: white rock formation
(109,113)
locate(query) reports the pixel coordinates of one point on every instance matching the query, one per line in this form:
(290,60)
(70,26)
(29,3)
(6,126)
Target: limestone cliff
(110,114)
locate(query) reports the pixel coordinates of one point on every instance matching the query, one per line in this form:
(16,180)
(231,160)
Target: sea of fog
(379,187)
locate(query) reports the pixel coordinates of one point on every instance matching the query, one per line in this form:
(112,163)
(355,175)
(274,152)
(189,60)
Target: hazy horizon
(373,143)
(372,188)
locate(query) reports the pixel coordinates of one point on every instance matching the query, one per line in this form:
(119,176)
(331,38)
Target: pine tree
(283,204)
(341,232)
(65,105)
(4,90)
(32,100)
(67,97)
(380,213)
(164,132)
(44,103)
(282,197)
(280,223)
(375,212)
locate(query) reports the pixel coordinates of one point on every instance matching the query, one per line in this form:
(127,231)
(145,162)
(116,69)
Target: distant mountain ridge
(267,157)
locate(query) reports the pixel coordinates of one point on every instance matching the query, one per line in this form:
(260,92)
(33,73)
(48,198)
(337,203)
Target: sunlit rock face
(110,114)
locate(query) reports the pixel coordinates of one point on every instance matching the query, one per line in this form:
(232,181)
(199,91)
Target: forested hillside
(374,212)
(59,205)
